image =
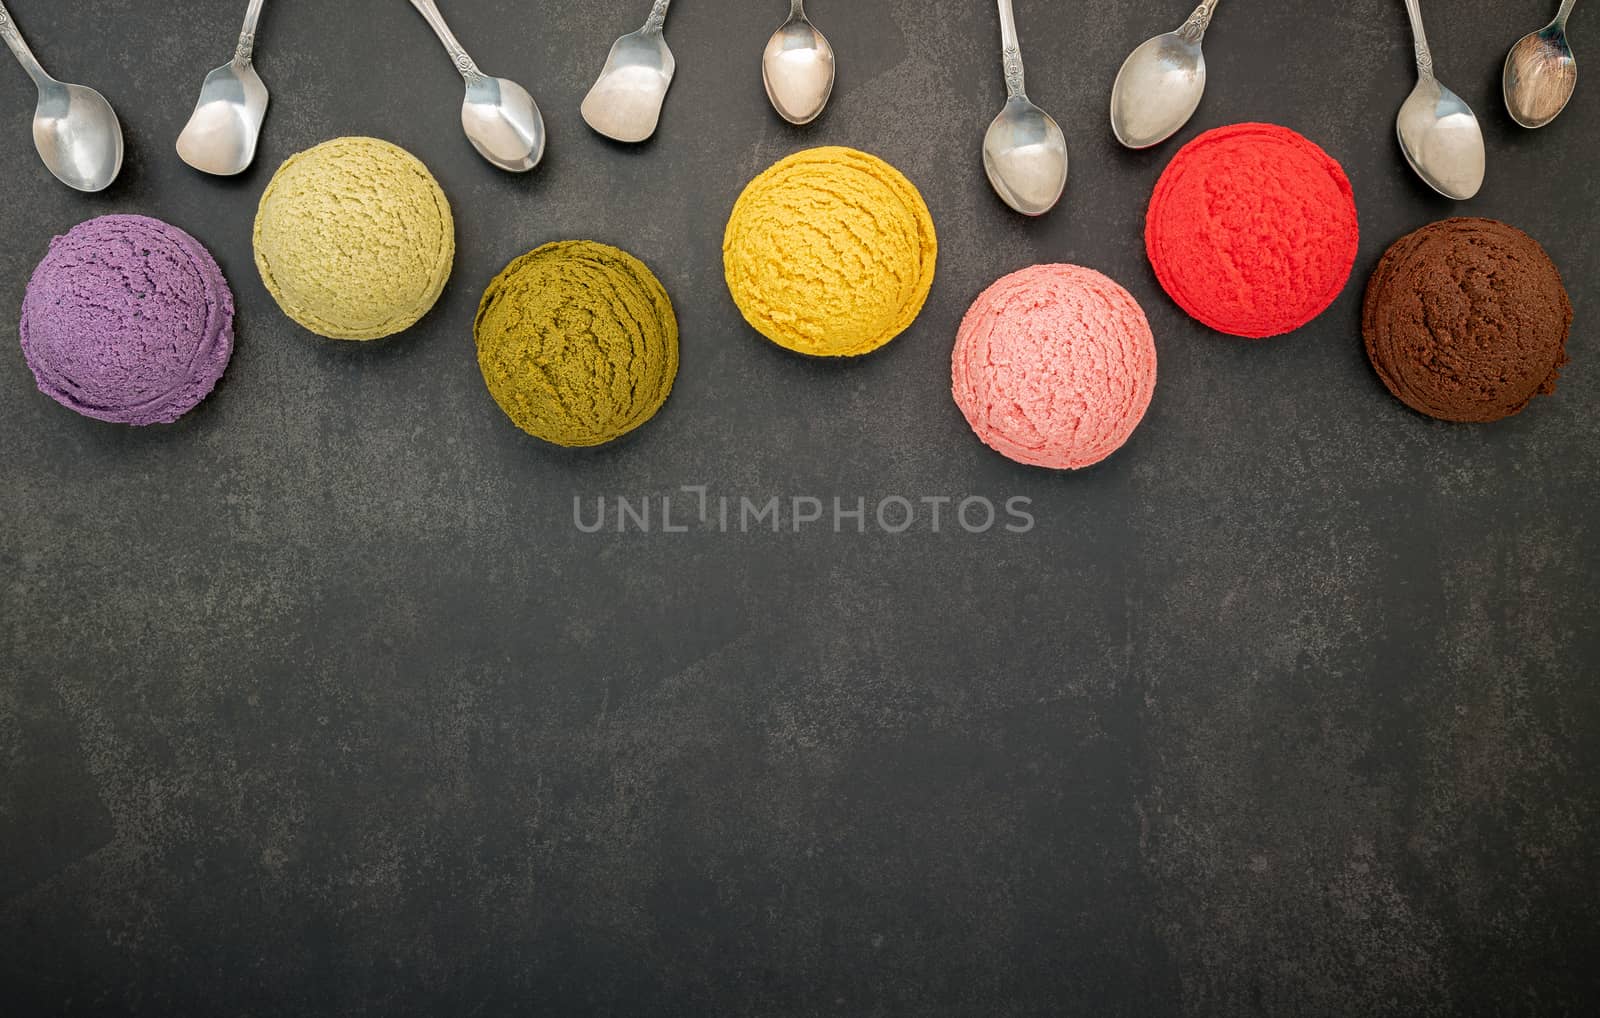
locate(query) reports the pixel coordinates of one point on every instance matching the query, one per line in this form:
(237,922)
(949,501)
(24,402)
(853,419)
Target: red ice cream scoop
(1252,230)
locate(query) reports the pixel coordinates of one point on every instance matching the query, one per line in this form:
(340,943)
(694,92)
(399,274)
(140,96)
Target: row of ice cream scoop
(830,252)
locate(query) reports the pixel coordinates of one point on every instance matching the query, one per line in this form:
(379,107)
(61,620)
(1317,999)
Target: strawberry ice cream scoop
(1054,366)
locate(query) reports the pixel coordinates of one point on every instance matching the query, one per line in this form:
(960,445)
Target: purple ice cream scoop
(127,319)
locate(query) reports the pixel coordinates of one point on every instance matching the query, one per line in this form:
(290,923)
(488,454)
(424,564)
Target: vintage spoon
(1541,72)
(624,103)
(499,115)
(74,128)
(1160,83)
(797,68)
(1024,151)
(221,134)
(1439,135)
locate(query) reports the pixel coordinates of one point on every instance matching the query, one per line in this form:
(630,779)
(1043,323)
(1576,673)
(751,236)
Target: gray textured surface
(317,703)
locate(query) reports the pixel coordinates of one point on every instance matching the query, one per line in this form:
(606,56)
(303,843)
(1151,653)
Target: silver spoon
(498,115)
(1439,135)
(1024,151)
(221,134)
(1161,83)
(74,128)
(624,103)
(1541,72)
(797,68)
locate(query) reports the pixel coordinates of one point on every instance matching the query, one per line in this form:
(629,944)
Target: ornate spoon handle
(247,34)
(1420,39)
(658,16)
(1194,29)
(430,11)
(1011,51)
(24,55)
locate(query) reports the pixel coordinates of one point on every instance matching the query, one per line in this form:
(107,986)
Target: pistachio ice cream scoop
(354,239)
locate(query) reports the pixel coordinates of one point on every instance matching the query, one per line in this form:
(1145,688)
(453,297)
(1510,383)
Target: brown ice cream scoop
(1467,320)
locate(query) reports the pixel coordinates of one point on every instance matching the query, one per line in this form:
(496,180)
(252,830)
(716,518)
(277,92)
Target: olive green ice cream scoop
(577,342)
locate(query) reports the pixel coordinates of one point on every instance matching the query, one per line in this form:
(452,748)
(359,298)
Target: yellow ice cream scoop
(830,252)
(354,238)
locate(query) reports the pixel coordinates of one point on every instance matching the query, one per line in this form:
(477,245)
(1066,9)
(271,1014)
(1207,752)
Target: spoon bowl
(78,136)
(1157,90)
(624,104)
(797,68)
(74,128)
(1441,139)
(220,137)
(1540,75)
(1160,84)
(1439,136)
(503,123)
(1025,157)
(500,118)
(1024,151)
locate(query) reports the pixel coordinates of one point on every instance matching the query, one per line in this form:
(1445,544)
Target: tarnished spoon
(498,115)
(1439,135)
(1024,151)
(1161,83)
(74,128)
(1541,72)
(625,101)
(797,68)
(221,134)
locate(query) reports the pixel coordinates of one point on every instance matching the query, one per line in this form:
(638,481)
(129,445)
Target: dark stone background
(316,702)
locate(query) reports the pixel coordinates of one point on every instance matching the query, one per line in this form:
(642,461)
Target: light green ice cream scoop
(354,238)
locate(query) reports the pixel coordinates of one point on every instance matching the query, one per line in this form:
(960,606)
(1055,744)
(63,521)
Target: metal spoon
(1439,135)
(797,68)
(221,134)
(624,103)
(1160,83)
(74,128)
(1024,151)
(499,116)
(1541,72)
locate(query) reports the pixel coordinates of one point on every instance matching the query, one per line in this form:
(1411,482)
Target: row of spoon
(1156,91)
(1160,85)
(499,117)
(80,139)
(797,69)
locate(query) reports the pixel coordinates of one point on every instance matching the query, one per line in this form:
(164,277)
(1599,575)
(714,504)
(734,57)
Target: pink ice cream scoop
(1054,366)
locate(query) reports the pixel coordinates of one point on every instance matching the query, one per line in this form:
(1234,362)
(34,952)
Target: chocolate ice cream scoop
(1467,320)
